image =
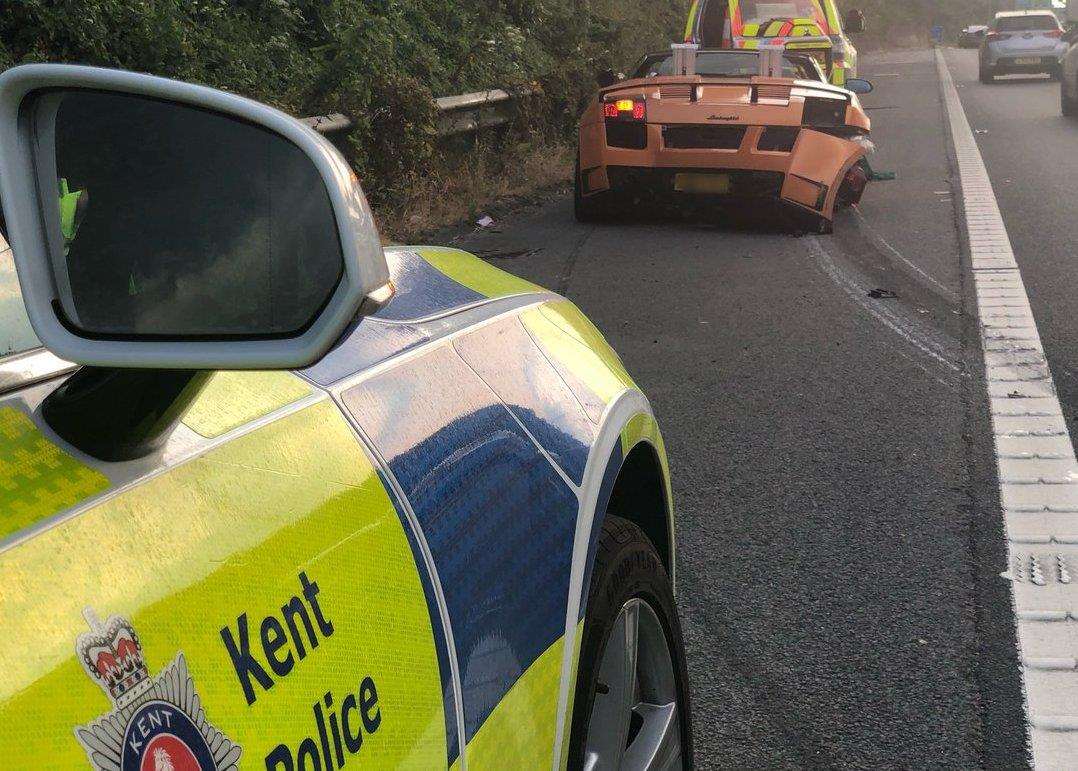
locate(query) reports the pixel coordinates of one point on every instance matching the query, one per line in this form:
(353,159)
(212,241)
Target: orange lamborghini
(745,125)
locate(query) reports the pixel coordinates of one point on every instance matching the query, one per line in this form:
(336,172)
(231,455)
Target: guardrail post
(457,115)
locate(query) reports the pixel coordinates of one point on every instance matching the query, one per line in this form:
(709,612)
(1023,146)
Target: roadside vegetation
(380,61)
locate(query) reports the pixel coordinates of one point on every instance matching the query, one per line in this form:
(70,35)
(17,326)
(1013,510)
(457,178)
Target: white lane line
(1038,472)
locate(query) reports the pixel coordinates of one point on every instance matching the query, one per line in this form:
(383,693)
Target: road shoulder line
(1038,472)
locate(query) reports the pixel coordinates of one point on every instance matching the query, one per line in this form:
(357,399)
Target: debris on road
(485,221)
(878,176)
(882,294)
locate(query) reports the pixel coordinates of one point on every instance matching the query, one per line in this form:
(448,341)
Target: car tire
(986,74)
(593,208)
(1067,104)
(1056,73)
(648,714)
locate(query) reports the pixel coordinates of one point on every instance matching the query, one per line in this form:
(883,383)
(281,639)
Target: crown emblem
(156,721)
(112,655)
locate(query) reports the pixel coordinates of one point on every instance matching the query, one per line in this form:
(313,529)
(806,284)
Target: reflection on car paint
(532,390)
(585,360)
(429,282)
(477,275)
(365,343)
(421,289)
(498,519)
(449,699)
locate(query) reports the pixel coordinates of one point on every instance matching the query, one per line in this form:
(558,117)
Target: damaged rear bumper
(808,173)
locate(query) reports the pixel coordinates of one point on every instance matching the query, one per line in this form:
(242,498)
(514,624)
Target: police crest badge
(157,723)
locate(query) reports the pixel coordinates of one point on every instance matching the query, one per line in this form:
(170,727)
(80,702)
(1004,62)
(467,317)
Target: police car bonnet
(160,224)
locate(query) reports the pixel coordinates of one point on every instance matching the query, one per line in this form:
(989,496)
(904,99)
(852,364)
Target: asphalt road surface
(823,403)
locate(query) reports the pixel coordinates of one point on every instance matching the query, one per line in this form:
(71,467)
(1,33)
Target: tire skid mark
(884,246)
(942,351)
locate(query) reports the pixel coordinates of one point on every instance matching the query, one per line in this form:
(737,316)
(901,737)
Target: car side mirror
(859,86)
(214,232)
(855,22)
(606,78)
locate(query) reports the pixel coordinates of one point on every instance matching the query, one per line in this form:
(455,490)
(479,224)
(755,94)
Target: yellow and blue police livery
(307,503)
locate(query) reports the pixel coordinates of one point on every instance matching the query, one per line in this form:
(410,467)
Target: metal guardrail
(457,115)
(328,124)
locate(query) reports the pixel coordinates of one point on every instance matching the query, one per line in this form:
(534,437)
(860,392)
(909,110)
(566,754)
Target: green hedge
(380,61)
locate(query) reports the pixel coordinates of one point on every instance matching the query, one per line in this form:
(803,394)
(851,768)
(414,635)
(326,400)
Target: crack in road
(570,263)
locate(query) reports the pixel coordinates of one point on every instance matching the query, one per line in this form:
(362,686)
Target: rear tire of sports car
(987,74)
(592,208)
(631,708)
(1067,104)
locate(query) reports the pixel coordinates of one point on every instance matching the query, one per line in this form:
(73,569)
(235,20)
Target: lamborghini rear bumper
(800,166)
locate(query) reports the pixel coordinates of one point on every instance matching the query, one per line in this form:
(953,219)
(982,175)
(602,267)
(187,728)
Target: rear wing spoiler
(770,53)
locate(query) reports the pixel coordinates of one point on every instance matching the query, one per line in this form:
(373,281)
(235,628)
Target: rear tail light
(625,109)
(1054,33)
(997,36)
(625,126)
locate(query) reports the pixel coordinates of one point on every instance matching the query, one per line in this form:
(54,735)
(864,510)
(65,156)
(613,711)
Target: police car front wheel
(632,702)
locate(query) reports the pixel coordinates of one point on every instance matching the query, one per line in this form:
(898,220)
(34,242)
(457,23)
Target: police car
(799,24)
(275,497)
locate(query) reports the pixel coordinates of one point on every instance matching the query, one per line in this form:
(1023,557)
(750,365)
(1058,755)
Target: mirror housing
(855,21)
(44,225)
(859,86)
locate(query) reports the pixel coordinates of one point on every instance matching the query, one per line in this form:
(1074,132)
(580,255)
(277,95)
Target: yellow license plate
(1028,60)
(707,184)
